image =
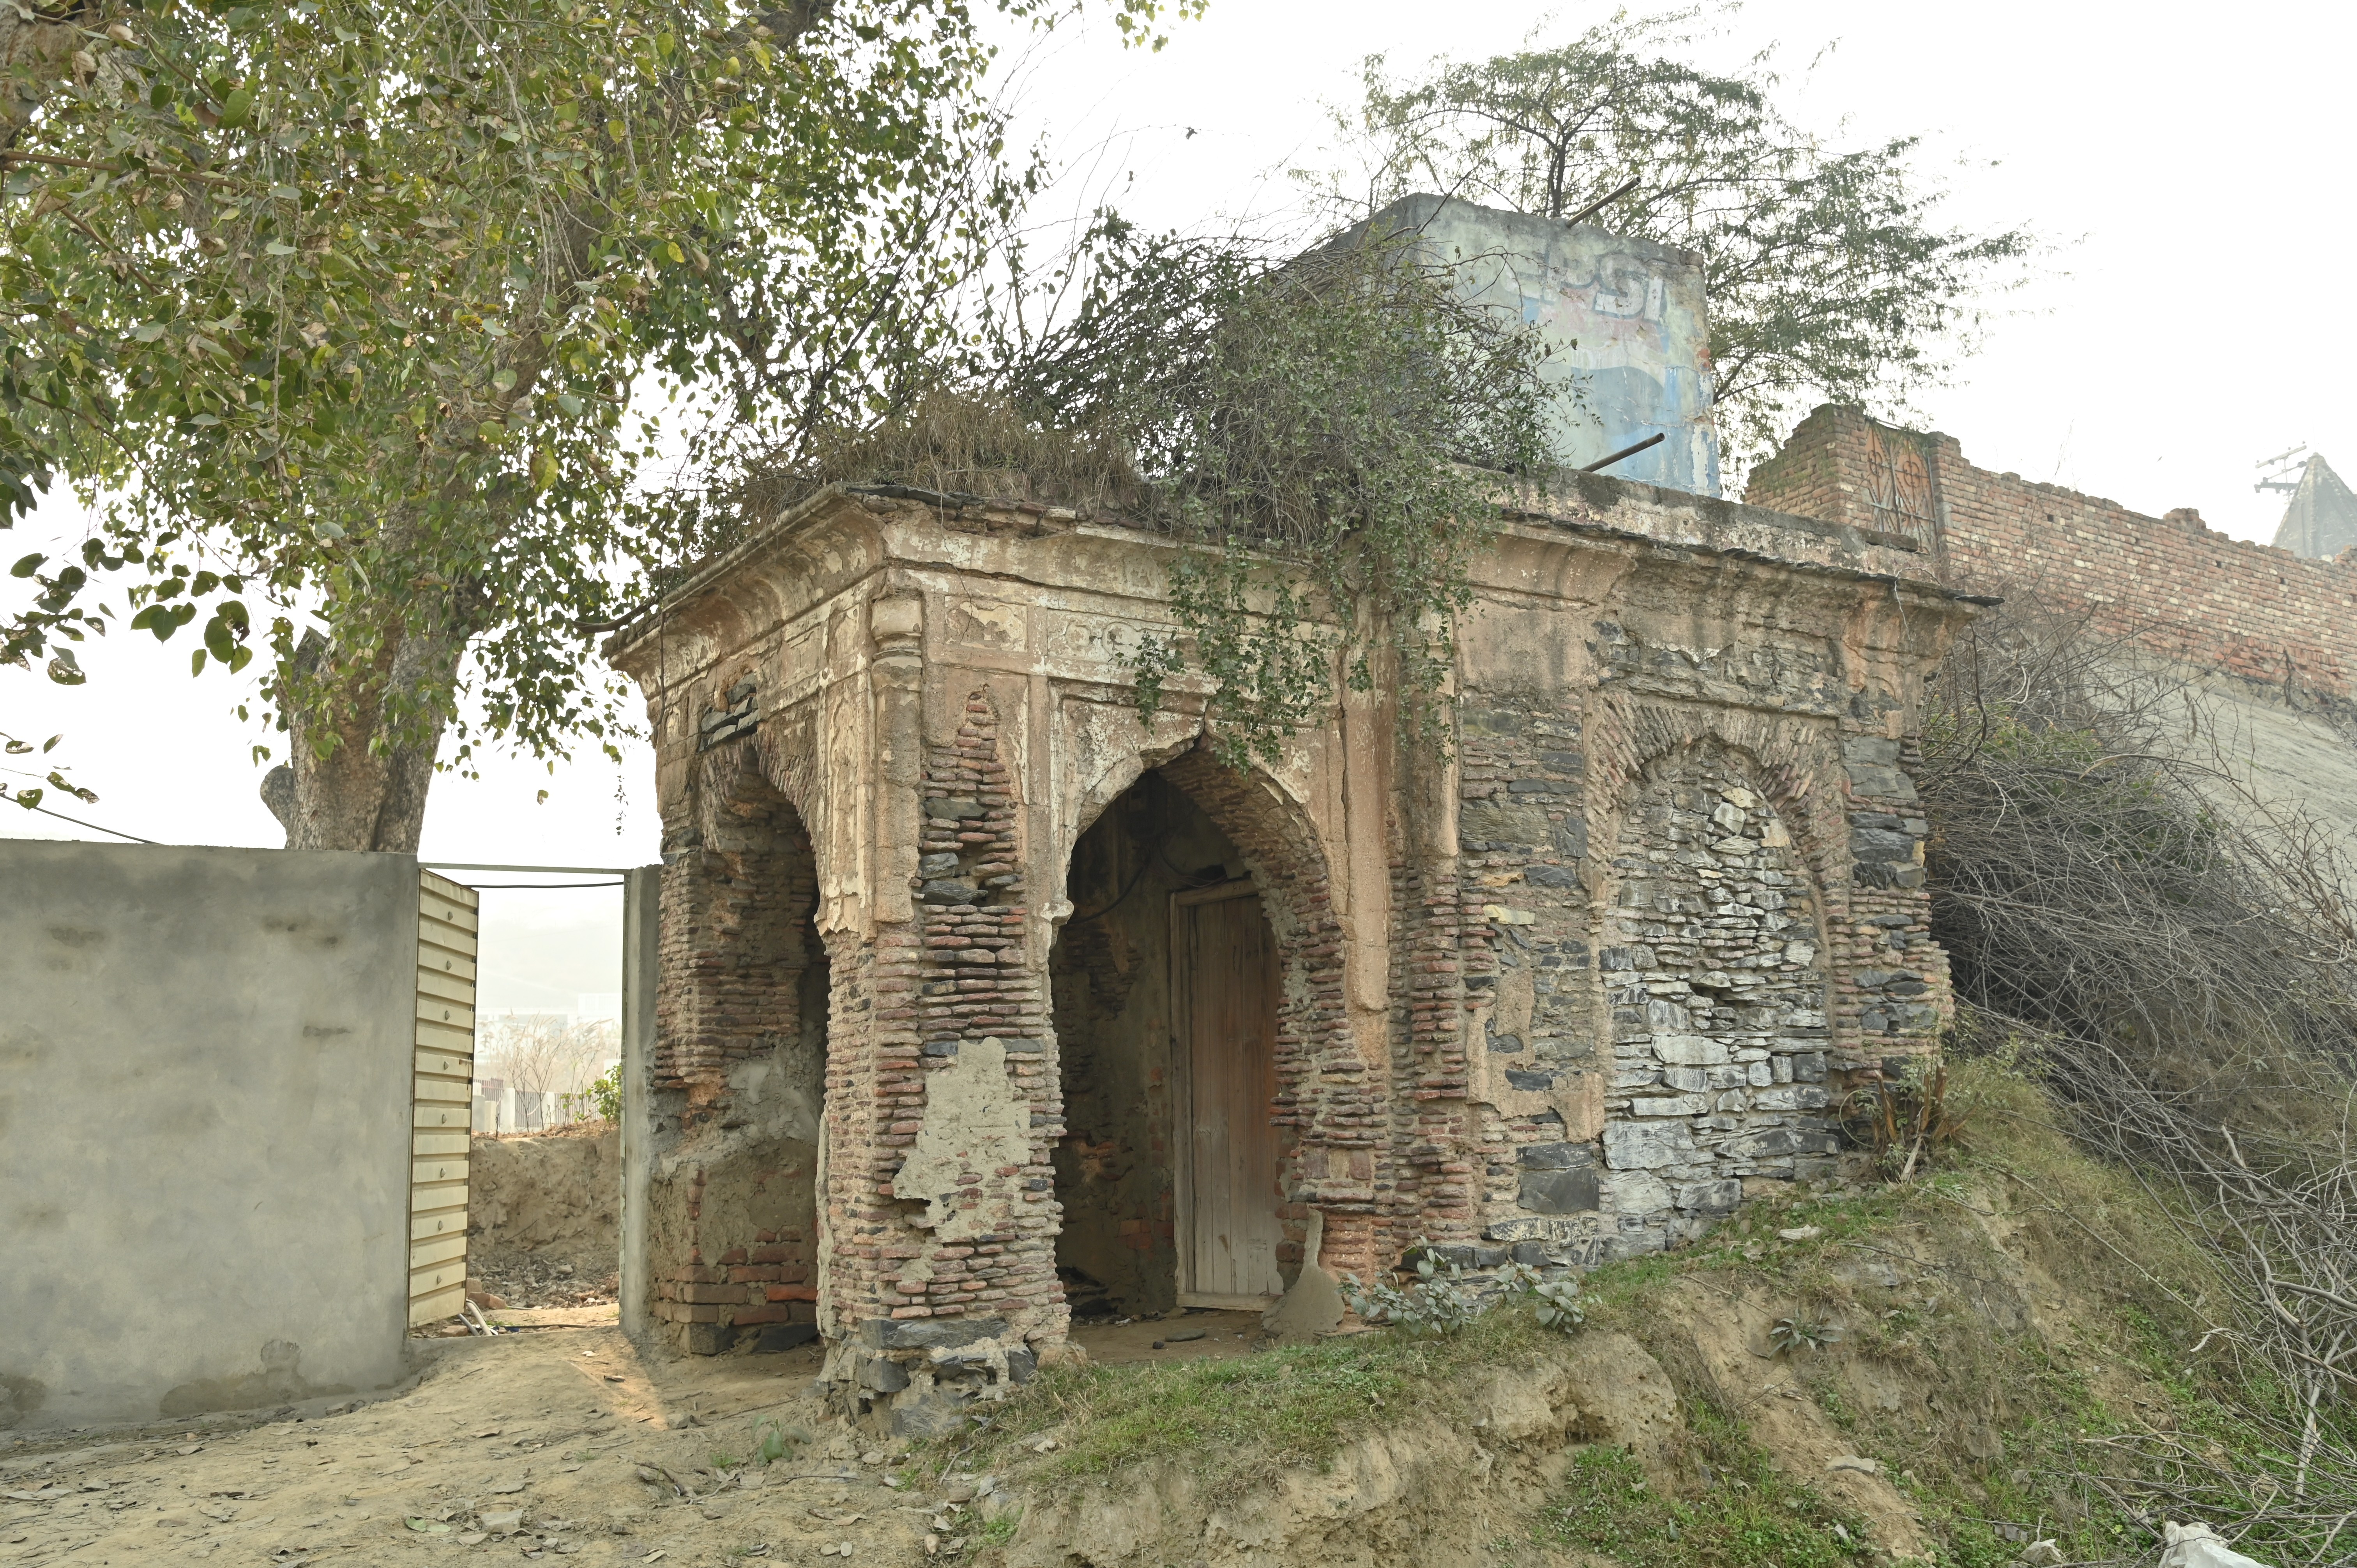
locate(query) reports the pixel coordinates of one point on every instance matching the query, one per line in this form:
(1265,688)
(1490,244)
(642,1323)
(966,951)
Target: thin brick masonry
(977,981)
(2170,582)
(733,1219)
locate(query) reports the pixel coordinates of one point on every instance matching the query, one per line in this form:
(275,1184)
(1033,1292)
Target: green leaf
(164,619)
(197,661)
(223,630)
(27,566)
(474,204)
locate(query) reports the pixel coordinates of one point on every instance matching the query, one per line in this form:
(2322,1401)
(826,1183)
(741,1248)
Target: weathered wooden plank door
(1224,993)
(442,1106)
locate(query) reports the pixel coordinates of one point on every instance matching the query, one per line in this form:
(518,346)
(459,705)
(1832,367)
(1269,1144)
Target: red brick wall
(737,936)
(2170,582)
(969,982)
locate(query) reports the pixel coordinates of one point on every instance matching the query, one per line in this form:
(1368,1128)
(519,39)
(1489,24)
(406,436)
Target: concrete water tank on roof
(1622,320)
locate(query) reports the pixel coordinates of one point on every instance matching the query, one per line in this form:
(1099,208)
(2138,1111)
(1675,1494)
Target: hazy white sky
(2191,165)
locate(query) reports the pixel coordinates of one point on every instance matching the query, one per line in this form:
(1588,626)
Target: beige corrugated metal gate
(442,1108)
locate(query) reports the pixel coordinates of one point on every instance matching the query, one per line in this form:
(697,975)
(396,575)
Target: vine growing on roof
(1321,437)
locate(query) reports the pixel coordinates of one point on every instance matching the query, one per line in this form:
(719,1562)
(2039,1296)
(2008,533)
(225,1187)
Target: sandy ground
(605,1456)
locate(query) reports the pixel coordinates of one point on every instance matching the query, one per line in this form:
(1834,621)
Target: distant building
(2322,521)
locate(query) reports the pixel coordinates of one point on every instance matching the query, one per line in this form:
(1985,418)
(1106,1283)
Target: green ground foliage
(1287,1405)
(1743,1509)
(2004,1408)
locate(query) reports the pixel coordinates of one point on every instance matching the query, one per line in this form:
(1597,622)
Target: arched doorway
(1166,983)
(738,1079)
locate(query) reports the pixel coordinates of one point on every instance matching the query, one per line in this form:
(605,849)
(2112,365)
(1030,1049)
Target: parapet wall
(2171,582)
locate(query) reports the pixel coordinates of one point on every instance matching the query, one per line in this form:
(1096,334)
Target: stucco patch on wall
(974,1126)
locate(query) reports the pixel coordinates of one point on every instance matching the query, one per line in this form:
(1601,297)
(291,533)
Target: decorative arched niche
(1711,959)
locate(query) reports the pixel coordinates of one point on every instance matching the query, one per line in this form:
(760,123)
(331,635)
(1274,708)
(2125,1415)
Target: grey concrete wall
(641,974)
(205,1084)
(1622,320)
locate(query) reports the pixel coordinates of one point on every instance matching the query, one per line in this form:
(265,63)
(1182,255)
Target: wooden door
(1224,986)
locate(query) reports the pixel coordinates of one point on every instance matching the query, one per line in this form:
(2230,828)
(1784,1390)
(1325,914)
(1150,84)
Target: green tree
(1829,272)
(334,310)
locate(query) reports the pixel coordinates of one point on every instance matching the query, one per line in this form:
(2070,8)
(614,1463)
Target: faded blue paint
(1621,319)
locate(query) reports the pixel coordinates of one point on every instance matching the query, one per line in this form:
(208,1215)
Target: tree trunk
(369,791)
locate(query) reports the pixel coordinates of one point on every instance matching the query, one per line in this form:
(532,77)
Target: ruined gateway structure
(982,998)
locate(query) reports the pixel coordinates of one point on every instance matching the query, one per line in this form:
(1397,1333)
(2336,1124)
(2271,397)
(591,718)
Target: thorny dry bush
(2173,949)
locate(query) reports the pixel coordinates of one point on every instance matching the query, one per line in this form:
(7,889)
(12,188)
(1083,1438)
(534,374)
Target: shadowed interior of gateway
(1144,873)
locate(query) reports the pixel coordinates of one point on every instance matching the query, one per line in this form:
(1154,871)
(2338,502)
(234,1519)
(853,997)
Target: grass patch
(1288,1405)
(1744,1512)
(1300,1403)
(1988,1425)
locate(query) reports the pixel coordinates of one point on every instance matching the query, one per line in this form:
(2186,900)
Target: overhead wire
(77,822)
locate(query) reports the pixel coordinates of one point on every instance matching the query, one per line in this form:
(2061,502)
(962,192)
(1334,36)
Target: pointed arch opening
(739,1072)
(1167,982)
(1713,965)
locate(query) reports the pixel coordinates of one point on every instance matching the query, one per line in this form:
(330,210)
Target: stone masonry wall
(1713,967)
(1523,838)
(2182,590)
(1688,925)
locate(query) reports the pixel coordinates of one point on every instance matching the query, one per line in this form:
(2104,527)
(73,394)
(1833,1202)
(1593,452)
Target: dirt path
(563,1424)
(554,1425)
